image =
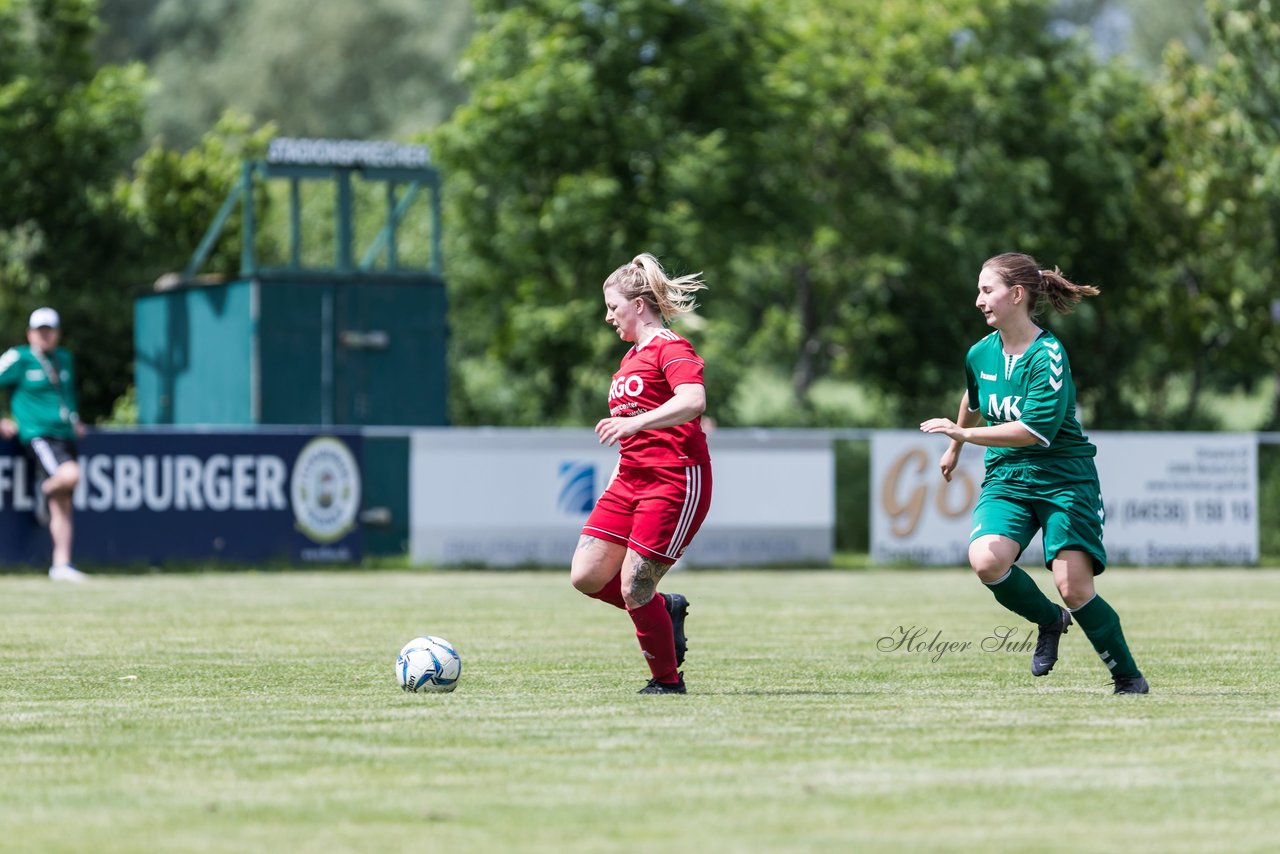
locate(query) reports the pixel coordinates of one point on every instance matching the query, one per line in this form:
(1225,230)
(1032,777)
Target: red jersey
(645,380)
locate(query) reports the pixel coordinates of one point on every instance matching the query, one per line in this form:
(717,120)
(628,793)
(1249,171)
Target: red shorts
(653,511)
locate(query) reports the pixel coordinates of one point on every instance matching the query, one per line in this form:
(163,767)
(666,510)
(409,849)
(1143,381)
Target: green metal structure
(339,161)
(358,339)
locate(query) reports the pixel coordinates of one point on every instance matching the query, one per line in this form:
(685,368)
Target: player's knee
(64,479)
(987,564)
(1075,592)
(637,596)
(583,580)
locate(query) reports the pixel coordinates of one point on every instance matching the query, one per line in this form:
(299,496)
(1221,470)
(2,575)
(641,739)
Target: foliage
(174,196)
(1218,213)
(1139,31)
(376,69)
(853,511)
(1247,36)
(65,132)
(126,32)
(1159,24)
(925,144)
(852,183)
(73,232)
(1269,502)
(889,152)
(593,133)
(124,412)
(837,169)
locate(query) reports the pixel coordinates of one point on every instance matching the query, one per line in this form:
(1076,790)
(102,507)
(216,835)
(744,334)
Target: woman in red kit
(661,489)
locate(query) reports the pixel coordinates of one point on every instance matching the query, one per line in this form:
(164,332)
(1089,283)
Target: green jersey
(1036,390)
(43,396)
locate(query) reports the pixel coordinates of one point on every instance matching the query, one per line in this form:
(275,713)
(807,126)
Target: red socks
(653,630)
(611,592)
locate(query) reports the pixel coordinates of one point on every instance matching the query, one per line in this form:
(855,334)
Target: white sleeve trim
(1040,440)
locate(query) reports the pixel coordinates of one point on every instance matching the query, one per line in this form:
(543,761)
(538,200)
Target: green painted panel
(291,352)
(385,474)
(152,357)
(330,351)
(390,354)
(193,349)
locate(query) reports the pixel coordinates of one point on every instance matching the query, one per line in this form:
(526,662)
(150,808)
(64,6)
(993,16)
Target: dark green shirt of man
(42,399)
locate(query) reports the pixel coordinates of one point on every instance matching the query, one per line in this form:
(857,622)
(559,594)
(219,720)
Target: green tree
(1219,188)
(1138,30)
(172,197)
(914,146)
(126,32)
(377,69)
(65,132)
(594,132)
(842,169)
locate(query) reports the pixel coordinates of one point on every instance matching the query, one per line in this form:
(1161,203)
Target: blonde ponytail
(645,278)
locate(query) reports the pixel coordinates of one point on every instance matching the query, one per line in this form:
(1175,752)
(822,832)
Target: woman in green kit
(1040,469)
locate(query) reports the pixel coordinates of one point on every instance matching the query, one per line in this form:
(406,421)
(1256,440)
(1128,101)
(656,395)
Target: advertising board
(150,497)
(1169,498)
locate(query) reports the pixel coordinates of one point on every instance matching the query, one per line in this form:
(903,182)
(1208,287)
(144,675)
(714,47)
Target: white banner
(1170,498)
(506,497)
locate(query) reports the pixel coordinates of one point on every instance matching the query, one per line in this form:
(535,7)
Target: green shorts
(1018,501)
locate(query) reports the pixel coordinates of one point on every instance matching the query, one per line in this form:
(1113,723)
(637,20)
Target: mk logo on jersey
(1004,410)
(630,386)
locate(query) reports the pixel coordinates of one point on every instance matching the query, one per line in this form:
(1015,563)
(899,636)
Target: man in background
(44,417)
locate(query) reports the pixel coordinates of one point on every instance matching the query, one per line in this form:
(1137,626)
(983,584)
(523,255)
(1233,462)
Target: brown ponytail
(1048,286)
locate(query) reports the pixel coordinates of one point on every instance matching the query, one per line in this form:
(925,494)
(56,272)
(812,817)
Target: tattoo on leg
(644,582)
(585,542)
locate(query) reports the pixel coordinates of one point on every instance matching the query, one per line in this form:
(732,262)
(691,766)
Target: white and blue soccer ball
(428,664)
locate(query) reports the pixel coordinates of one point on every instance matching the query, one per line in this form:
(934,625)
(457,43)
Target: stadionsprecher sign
(352,153)
(1169,498)
(153,497)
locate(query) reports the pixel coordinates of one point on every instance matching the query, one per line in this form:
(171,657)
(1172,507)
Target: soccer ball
(427,664)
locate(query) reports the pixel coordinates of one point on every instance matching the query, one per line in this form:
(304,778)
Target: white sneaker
(66,572)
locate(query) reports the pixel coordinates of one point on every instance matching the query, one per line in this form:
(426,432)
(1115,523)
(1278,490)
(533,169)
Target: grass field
(257,712)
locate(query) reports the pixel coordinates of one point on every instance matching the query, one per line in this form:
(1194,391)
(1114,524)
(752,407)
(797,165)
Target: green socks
(1098,620)
(1017,592)
(1101,625)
